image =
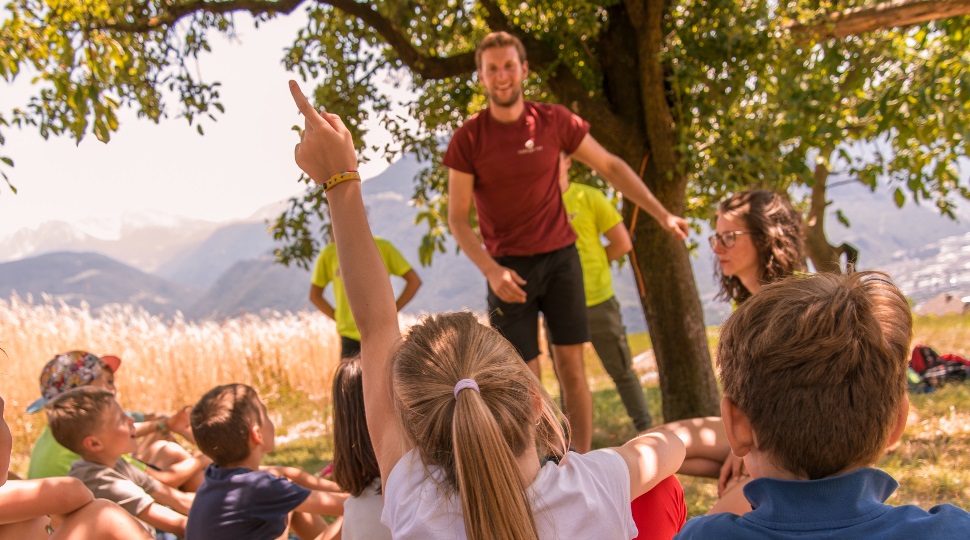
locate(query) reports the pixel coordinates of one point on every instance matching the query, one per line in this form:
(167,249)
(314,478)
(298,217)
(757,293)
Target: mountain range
(205,269)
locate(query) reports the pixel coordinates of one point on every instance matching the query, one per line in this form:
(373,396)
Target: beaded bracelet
(339,178)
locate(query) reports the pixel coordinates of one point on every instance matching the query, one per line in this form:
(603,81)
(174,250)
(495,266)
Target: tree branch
(891,14)
(175,13)
(426,66)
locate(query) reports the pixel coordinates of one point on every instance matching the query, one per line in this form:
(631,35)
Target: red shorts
(661,512)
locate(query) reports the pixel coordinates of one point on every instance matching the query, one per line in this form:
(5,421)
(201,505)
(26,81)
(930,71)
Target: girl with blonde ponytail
(457,420)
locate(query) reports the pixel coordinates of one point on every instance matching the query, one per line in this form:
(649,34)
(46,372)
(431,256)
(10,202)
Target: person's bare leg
(101,519)
(333,531)
(535,368)
(307,526)
(25,530)
(177,467)
(706,442)
(576,395)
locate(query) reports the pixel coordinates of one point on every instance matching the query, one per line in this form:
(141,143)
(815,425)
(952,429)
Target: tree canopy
(705,97)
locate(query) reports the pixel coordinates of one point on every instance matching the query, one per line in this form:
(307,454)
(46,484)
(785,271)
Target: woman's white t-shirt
(588,496)
(362,515)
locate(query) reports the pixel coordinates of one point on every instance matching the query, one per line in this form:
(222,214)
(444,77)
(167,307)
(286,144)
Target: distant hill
(202,263)
(256,285)
(95,279)
(145,244)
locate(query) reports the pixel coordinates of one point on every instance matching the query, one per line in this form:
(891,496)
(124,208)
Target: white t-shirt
(587,497)
(362,515)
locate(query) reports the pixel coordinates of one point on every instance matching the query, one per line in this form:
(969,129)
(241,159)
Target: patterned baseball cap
(70,370)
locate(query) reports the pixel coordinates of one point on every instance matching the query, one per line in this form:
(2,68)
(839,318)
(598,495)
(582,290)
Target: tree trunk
(824,255)
(671,304)
(675,317)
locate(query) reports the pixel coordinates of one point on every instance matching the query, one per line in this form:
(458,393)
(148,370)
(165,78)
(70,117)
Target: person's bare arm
(181,471)
(180,501)
(505,282)
(27,499)
(412,282)
(619,242)
(163,518)
(625,180)
(317,299)
(326,148)
(651,457)
(325,503)
(303,478)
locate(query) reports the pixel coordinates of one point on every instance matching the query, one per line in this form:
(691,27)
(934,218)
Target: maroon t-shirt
(516,169)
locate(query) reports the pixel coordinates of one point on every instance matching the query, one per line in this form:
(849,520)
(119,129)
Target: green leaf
(899,197)
(842,218)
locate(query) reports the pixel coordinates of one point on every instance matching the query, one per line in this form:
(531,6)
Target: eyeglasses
(727,238)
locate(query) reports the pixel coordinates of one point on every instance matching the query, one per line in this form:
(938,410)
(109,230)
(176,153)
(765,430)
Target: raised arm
(505,282)
(326,149)
(621,176)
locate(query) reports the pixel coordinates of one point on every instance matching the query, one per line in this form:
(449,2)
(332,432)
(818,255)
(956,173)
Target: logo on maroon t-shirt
(530,148)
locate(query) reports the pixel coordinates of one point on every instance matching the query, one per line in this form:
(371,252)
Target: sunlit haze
(242,163)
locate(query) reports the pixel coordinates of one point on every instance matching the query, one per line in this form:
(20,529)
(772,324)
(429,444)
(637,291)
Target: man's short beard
(513,99)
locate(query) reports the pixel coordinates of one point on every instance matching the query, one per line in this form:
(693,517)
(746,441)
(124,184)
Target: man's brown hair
(221,422)
(818,365)
(495,40)
(77,414)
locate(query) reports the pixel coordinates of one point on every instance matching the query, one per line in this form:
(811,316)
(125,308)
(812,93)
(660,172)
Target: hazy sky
(242,163)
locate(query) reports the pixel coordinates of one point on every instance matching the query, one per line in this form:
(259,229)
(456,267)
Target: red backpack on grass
(934,369)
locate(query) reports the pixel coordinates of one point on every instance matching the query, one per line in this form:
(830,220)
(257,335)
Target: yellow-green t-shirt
(591,215)
(327,270)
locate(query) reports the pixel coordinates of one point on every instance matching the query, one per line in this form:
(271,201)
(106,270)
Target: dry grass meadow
(290,358)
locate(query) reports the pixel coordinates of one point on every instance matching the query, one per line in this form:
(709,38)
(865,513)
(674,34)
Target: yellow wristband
(339,178)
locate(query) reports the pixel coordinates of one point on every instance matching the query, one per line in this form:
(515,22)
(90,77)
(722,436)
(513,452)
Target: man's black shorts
(554,286)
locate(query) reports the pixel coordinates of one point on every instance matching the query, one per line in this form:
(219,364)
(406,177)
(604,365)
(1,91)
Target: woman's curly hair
(776,231)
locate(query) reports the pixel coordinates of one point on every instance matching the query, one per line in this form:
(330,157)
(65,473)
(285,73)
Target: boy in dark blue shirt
(814,376)
(237,500)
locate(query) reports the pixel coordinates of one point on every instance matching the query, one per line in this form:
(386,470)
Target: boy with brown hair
(90,422)
(814,377)
(237,499)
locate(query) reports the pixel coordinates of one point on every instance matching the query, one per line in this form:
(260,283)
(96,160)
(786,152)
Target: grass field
(290,360)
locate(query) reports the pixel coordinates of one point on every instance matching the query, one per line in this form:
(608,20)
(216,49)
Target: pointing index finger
(302,103)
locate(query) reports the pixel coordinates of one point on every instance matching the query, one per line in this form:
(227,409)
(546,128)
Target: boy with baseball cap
(66,371)
(172,464)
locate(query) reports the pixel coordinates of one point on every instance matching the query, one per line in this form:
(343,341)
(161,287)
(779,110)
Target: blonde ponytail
(493,499)
(474,437)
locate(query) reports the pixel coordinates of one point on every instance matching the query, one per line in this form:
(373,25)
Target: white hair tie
(465,384)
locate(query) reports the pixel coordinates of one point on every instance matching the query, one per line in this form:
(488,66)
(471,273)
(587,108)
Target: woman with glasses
(758,240)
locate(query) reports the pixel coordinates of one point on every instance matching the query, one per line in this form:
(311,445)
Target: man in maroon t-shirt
(507,158)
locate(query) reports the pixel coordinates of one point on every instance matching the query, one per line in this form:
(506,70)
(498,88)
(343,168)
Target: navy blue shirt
(846,506)
(238,503)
